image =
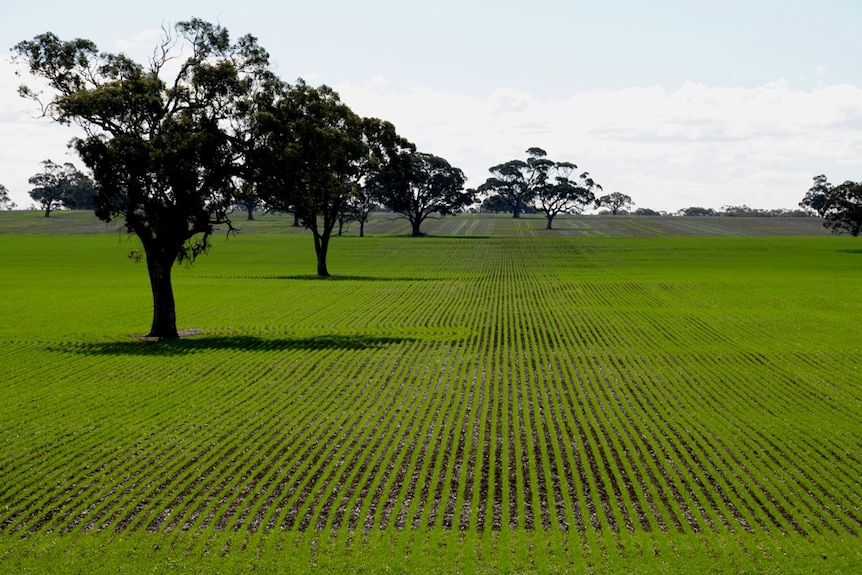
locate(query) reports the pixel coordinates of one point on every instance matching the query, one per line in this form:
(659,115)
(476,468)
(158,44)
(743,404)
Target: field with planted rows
(625,395)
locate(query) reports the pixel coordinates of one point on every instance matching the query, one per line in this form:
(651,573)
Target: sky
(676,103)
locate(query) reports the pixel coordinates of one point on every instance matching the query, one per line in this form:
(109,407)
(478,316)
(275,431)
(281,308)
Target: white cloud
(667,148)
(695,145)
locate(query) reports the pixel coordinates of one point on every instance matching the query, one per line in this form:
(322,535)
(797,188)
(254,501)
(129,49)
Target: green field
(620,395)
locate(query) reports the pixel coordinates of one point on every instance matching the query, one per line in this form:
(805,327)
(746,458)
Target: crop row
(492,391)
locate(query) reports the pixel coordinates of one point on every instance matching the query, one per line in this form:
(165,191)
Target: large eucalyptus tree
(516,182)
(548,186)
(840,205)
(59,186)
(425,185)
(164,140)
(312,152)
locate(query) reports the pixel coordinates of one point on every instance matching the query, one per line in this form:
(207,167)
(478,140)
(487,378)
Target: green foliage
(515,182)
(163,150)
(615,201)
(312,154)
(560,403)
(697,211)
(840,206)
(494,204)
(424,185)
(62,186)
(562,193)
(541,184)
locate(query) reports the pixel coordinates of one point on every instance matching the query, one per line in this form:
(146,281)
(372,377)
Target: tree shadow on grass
(339,278)
(193,345)
(335,278)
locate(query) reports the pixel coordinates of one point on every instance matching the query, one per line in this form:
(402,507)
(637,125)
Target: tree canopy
(561,193)
(312,152)
(163,146)
(696,211)
(62,186)
(516,182)
(615,201)
(840,206)
(539,183)
(426,185)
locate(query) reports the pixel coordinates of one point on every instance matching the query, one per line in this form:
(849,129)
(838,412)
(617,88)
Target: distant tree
(696,211)
(311,144)
(745,211)
(6,202)
(246,197)
(645,212)
(163,142)
(427,185)
(312,152)
(561,194)
(82,195)
(840,206)
(387,152)
(49,187)
(494,204)
(359,205)
(59,186)
(517,182)
(345,216)
(738,211)
(795,213)
(615,201)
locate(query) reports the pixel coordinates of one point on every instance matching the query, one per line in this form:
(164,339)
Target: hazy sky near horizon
(676,103)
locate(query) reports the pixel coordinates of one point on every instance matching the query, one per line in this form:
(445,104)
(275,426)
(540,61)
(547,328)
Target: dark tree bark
(322,231)
(416,224)
(321,246)
(159,266)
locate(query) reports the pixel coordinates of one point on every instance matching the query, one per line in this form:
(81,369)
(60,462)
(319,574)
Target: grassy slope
(742,339)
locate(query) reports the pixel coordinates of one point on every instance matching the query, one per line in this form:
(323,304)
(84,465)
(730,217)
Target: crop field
(619,395)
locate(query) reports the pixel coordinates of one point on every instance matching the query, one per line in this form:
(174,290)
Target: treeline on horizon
(693,211)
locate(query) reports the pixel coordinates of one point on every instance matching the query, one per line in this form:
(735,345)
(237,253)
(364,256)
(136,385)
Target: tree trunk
(416,224)
(361,228)
(295,220)
(550,223)
(516,210)
(164,311)
(321,245)
(250,213)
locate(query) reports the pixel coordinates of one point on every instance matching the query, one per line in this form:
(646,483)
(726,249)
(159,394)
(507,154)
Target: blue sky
(674,102)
